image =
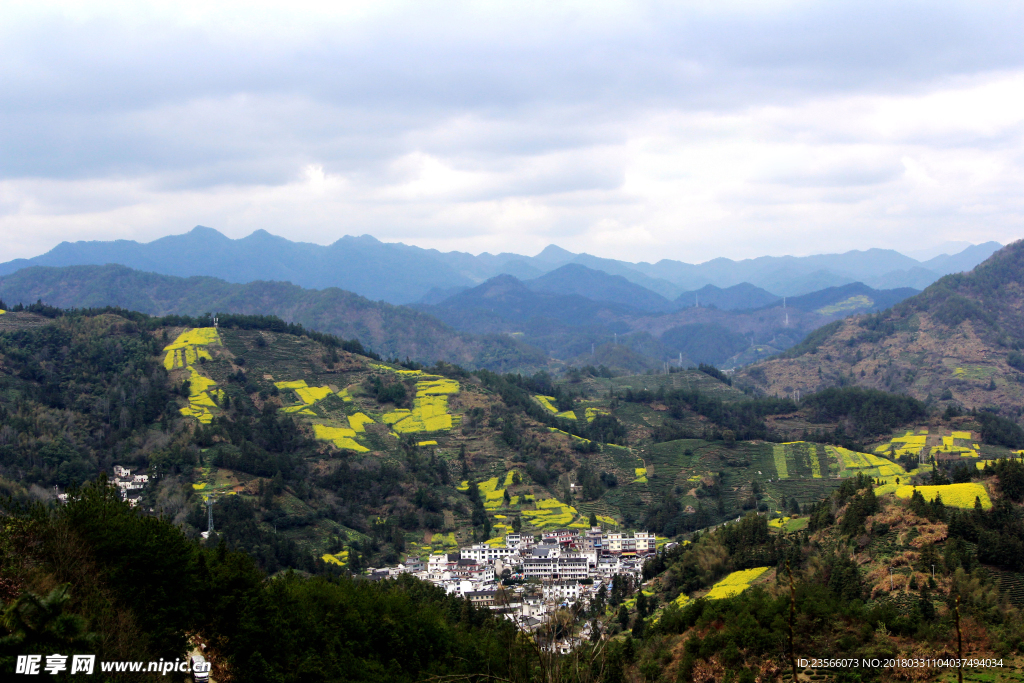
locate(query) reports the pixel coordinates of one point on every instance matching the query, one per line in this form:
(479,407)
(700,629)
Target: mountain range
(392,331)
(571,315)
(399,273)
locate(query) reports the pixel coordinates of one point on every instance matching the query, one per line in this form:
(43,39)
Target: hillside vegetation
(394,331)
(958,342)
(322,457)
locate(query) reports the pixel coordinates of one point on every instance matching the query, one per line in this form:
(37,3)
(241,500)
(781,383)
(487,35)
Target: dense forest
(95,577)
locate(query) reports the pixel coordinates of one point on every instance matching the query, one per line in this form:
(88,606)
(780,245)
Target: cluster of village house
(561,567)
(130,485)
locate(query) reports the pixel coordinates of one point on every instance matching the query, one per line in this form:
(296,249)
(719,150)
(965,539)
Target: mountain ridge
(399,273)
(394,331)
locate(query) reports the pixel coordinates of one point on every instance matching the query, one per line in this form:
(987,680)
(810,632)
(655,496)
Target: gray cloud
(519,118)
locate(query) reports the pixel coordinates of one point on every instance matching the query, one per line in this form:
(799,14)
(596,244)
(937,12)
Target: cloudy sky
(635,130)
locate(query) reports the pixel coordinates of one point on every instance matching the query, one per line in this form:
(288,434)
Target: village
(530,578)
(527,579)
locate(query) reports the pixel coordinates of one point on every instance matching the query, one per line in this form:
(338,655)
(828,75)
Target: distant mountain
(711,343)
(399,273)
(376,270)
(737,297)
(503,303)
(575,278)
(963,260)
(855,297)
(393,331)
(955,341)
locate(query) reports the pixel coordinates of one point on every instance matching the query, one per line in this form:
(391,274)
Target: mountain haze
(400,274)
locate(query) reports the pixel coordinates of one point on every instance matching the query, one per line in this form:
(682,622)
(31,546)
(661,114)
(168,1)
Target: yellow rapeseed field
(869,464)
(358,422)
(183,354)
(340,559)
(956,495)
(735,583)
(340,437)
(429,410)
(547,402)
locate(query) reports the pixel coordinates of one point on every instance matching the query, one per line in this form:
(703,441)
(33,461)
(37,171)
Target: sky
(634,130)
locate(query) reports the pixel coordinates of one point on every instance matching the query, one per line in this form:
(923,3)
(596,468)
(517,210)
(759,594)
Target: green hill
(393,331)
(958,341)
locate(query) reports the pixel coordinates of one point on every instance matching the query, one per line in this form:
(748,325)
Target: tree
(641,605)
(507,497)
(43,624)
(638,627)
(593,519)
(623,617)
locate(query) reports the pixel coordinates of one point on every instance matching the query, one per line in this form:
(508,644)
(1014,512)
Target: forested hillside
(957,342)
(394,331)
(321,456)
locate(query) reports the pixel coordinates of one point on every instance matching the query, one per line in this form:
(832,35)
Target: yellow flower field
(426,443)
(735,583)
(430,408)
(551,512)
(340,559)
(307,394)
(387,368)
(186,348)
(956,495)
(358,422)
(547,402)
(571,436)
(437,387)
(340,437)
(592,413)
(869,464)
(183,354)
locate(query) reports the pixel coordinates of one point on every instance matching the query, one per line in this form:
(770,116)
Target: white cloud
(629,130)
